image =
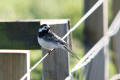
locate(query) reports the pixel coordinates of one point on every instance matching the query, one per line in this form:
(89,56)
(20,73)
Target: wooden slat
(14,66)
(14,51)
(18,35)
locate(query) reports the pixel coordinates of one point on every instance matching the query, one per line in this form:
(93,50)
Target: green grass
(36,56)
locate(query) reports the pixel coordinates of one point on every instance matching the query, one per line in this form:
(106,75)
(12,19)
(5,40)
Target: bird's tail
(72,53)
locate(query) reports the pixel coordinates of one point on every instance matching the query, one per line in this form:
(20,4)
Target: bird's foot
(50,51)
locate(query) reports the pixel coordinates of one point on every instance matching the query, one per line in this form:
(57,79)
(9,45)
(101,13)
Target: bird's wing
(55,38)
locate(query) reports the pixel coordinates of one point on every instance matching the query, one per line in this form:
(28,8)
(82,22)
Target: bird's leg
(50,51)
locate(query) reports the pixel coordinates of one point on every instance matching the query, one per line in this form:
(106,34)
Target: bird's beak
(48,27)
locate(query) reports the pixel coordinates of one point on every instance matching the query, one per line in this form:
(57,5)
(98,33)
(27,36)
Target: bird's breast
(47,44)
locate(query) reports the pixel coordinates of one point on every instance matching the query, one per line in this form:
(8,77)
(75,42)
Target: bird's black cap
(43,25)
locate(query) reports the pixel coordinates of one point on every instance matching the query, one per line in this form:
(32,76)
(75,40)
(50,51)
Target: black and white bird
(49,40)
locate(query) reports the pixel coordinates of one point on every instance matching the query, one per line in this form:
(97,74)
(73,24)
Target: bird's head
(44,27)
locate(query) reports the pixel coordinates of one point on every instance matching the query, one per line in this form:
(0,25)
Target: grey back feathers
(54,38)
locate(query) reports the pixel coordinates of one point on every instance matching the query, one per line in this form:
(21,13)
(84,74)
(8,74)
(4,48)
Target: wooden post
(55,66)
(14,64)
(116,38)
(93,31)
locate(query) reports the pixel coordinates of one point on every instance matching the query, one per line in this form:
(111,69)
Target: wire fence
(97,4)
(115,77)
(114,28)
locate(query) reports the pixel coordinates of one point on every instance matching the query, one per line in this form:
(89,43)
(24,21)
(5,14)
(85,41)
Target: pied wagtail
(49,40)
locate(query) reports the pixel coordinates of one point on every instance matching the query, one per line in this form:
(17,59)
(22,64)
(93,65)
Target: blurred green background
(47,9)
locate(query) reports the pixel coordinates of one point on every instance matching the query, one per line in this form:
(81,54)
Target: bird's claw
(50,51)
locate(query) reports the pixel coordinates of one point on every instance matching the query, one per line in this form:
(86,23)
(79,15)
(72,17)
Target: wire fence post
(116,39)
(55,66)
(93,31)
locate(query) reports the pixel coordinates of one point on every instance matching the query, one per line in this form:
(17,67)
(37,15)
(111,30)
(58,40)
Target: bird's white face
(44,28)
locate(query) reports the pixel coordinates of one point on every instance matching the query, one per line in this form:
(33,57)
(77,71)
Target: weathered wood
(116,38)
(55,66)
(93,31)
(14,64)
